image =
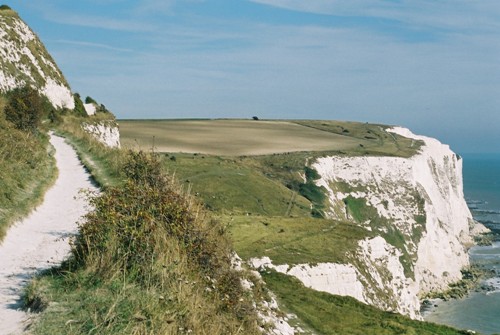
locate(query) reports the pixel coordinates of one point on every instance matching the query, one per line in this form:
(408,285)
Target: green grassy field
(294,240)
(249,137)
(265,203)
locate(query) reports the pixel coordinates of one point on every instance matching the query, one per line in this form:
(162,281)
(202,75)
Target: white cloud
(94,45)
(56,13)
(161,6)
(101,22)
(446,14)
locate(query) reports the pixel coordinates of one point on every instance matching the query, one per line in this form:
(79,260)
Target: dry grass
(27,169)
(230,137)
(149,260)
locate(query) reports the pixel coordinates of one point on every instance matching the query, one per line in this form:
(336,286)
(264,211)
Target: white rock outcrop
(59,95)
(26,62)
(386,285)
(267,311)
(339,279)
(422,199)
(106,132)
(90,108)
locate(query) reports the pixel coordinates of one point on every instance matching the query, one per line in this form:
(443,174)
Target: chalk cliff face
(25,61)
(417,209)
(417,218)
(106,132)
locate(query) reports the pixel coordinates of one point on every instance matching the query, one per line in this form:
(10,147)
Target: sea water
(480,311)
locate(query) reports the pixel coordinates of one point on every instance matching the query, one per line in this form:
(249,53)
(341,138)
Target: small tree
(25,108)
(79,108)
(89,100)
(102,109)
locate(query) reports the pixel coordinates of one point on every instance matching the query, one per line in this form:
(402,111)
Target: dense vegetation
(26,164)
(148,259)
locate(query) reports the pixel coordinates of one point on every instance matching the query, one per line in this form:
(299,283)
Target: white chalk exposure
(106,132)
(29,68)
(387,277)
(59,95)
(90,108)
(268,312)
(395,186)
(339,279)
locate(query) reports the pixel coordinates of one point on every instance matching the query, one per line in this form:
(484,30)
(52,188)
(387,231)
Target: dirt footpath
(41,240)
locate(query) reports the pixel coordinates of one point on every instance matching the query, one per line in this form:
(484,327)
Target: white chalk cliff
(25,61)
(106,132)
(419,223)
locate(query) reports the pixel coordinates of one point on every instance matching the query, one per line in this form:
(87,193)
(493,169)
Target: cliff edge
(418,221)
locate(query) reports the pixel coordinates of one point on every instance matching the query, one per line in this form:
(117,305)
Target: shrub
(79,108)
(25,108)
(89,100)
(131,222)
(5,7)
(54,117)
(313,192)
(102,109)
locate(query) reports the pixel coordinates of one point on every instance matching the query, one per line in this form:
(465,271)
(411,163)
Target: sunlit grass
(334,315)
(27,169)
(294,240)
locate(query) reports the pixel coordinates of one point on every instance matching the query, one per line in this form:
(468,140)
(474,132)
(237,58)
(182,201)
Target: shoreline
(473,310)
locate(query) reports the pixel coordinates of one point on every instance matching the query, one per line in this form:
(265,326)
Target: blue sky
(432,66)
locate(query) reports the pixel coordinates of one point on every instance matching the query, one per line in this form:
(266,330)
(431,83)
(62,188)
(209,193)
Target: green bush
(5,7)
(100,108)
(313,192)
(25,108)
(128,223)
(79,108)
(89,100)
(26,170)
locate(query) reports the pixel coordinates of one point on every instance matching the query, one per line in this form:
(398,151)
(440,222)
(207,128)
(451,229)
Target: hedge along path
(41,240)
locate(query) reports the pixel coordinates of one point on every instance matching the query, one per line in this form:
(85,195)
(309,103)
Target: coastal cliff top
(226,137)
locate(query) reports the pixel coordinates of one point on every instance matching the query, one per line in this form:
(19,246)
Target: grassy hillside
(161,285)
(327,314)
(27,169)
(148,260)
(294,240)
(265,201)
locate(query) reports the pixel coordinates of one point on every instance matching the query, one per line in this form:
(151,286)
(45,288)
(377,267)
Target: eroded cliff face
(419,224)
(25,61)
(106,132)
(416,206)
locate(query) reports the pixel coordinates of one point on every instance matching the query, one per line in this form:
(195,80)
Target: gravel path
(41,240)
